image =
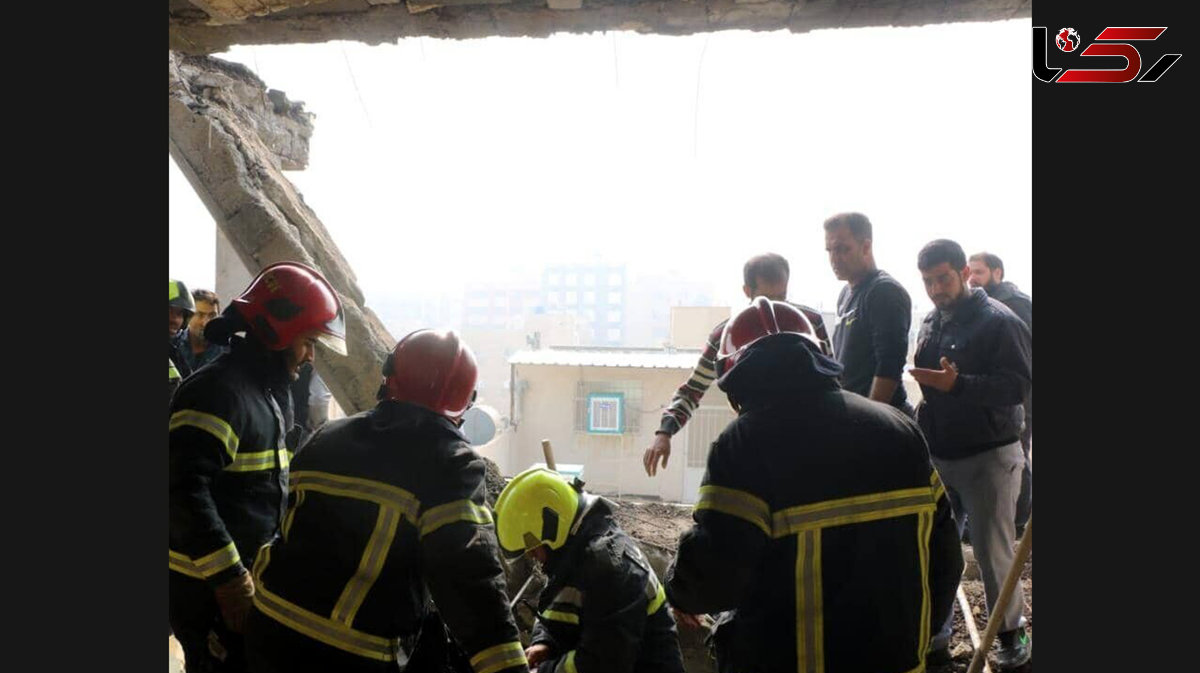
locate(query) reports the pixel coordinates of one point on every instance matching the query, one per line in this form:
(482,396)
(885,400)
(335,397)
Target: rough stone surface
(376,23)
(232,139)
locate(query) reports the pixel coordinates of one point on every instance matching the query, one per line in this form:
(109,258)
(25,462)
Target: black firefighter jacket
(228,463)
(993,351)
(383,504)
(822,523)
(603,609)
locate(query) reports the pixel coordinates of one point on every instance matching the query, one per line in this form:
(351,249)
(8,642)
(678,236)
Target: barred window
(605,413)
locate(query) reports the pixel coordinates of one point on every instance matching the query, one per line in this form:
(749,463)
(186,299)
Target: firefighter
(180,308)
(228,458)
(603,609)
(821,522)
(382,505)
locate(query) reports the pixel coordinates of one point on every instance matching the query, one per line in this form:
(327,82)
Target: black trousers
(208,646)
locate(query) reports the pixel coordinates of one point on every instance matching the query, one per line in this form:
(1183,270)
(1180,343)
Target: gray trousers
(984,487)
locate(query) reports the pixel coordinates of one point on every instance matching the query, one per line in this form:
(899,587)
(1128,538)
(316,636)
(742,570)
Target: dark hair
(941,250)
(208,296)
(993,262)
(769,266)
(859,225)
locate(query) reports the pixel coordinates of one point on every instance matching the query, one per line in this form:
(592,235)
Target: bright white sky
(439,162)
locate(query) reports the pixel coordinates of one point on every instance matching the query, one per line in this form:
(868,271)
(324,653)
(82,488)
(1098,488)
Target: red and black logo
(1111,42)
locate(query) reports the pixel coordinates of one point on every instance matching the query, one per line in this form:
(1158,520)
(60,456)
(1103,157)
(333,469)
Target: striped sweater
(687,397)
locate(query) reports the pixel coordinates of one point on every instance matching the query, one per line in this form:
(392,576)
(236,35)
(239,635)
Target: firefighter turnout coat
(822,522)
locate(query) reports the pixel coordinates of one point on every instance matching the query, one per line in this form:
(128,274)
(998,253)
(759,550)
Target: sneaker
(1014,649)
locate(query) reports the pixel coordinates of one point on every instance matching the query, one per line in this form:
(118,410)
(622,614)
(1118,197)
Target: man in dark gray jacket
(987,271)
(974,361)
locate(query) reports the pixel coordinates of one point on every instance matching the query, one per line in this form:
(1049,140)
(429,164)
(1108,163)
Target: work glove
(234,599)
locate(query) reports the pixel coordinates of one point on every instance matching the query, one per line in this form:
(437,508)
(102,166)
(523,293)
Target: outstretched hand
(939,379)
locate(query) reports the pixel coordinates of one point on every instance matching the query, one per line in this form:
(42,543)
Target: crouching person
(603,610)
(382,505)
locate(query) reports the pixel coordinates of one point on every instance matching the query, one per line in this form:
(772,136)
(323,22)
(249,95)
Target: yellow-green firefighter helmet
(537,507)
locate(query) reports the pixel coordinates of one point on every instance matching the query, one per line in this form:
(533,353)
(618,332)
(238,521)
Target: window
(571,299)
(630,393)
(605,413)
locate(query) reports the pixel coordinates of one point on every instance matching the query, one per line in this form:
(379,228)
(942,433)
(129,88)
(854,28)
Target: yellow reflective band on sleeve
(857,509)
(205,566)
(451,512)
(285,459)
(183,564)
(740,504)
(560,616)
(246,461)
(567,664)
(213,425)
(172,372)
(498,658)
(660,597)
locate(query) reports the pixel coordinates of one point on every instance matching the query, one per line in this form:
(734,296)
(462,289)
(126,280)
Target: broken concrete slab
(232,139)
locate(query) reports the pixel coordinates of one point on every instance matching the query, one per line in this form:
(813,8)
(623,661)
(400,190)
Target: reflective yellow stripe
(498,658)
(559,616)
(321,628)
(183,564)
(569,596)
(205,566)
(285,459)
(810,649)
(211,424)
(172,372)
(660,596)
(247,461)
(852,510)
(569,662)
(369,566)
(935,482)
(291,514)
(924,528)
(377,492)
(459,510)
(740,504)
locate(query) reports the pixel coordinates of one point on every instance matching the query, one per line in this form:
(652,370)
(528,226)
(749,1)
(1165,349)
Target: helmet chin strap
(588,501)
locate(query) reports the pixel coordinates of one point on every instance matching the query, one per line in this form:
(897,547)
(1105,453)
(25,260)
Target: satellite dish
(479,424)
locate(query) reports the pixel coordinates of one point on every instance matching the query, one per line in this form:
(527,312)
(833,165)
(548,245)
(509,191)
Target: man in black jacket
(820,519)
(987,271)
(603,609)
(228,455)
(386,511)
(974,362)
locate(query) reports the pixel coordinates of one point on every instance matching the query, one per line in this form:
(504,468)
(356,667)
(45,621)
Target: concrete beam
(232,139)
(380,23)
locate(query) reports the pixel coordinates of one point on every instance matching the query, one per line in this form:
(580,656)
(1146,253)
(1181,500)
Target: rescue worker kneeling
(603,609)
(382,505)
(821,520)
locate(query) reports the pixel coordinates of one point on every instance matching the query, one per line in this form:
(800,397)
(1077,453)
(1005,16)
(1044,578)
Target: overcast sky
(440,162)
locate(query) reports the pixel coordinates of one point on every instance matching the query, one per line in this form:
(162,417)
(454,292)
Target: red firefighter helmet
(763,318)
(432,369)
(288,300)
